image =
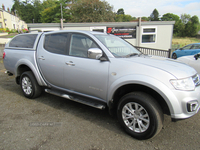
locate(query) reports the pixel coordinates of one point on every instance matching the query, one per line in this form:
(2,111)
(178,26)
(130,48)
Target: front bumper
(187,103)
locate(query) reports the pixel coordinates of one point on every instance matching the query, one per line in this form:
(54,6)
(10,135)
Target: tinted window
(80,44)
(56,43)
(23,41)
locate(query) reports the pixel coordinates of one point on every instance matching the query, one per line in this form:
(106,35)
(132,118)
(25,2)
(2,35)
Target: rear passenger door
(195,49)
(51,57)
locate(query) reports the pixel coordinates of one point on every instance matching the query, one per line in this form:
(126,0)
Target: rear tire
(29,85)
(140,115)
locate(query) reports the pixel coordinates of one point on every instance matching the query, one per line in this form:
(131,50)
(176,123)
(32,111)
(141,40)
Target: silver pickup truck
(104,71)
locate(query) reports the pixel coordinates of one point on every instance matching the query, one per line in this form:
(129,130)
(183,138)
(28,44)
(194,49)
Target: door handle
(70,63)
(42,58)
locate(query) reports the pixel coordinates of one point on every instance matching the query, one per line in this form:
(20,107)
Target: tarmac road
(51,122)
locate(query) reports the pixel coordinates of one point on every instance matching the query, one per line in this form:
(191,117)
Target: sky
(140,8)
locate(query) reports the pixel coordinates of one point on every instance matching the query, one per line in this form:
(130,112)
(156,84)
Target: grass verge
(184,41)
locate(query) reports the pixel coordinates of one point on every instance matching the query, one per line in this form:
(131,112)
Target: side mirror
(180,48)
(196,56)
(95,53)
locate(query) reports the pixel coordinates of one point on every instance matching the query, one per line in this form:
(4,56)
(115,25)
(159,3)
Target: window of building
(98,29)
(24,41)
(149,34)
(56,43)
(1,26)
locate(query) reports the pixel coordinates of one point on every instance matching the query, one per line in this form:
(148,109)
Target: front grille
(196,80)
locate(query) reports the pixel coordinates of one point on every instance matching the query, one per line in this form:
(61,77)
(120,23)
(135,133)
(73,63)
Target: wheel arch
(20,70)
(25,65)
(128,88)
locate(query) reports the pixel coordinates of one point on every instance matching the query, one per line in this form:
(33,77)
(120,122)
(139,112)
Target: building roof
(113,24)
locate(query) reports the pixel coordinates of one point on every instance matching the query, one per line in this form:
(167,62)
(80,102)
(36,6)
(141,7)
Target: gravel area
(53,123)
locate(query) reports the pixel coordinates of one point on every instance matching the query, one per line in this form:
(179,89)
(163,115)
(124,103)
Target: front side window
(149,35)
(117,46)
(80,44)
(186,47)
(56,43)
(24,41)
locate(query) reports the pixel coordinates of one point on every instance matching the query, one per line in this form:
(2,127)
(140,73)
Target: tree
(37,9)
(191,27)
(154,15)
(195,19)
(185,18)
(49,15)
(91,11)
(123,18)
(179,29)
(145,18)
(52,11)
(15,6)
(120,11)
(27,10)
(170,17)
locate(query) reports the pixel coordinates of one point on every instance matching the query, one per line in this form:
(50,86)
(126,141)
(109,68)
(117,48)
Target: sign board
(123,32)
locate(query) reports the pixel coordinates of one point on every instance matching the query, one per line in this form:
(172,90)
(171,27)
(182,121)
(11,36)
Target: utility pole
(61,20)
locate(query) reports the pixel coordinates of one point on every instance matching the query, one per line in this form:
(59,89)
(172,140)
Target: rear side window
(56,43)
(23,41)
(196,47)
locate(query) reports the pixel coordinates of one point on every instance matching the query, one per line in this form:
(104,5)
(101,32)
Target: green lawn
(184,41)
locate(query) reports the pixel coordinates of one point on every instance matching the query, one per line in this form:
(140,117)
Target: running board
(86,102)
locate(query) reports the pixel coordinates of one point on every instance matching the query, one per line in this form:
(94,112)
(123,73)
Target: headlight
(186,84)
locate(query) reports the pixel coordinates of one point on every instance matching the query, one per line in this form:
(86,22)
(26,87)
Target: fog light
(192,106)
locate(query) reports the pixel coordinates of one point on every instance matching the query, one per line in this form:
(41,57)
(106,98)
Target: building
(10,21)
(151,34)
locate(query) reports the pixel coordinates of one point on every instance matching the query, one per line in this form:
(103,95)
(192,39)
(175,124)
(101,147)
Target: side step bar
(82,101)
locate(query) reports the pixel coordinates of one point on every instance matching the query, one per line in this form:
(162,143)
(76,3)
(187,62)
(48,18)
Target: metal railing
(156,52)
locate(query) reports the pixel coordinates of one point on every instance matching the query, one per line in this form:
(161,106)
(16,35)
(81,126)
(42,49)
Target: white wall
(77,28)
(163,33)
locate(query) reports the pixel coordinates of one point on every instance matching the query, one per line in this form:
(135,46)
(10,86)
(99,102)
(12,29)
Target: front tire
(140,115)
(29,85)
(174,56)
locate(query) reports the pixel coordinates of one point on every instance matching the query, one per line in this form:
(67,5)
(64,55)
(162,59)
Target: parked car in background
(192,60)
(190,49)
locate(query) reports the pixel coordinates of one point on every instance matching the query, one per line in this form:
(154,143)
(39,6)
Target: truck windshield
(117,46)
